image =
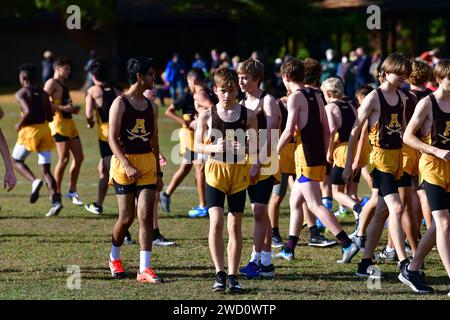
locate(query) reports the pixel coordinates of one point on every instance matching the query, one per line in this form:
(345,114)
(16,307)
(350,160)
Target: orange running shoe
(116,268)
(148,276)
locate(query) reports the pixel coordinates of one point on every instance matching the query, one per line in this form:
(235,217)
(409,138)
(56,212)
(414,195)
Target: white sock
(255,256)
(115,252)
(144,260)
(266,258)
(388,249)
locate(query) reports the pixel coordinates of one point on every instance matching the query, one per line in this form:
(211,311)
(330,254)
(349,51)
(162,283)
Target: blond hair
(252,67)
(421,73)
(334,86)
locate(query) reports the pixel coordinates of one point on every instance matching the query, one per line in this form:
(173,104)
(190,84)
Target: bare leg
(367,213)
(426,244)
(78,157)
(200,182)
(50,181)
(178,177)
(260,228)
(215,238)
(145,203)
(24,170)
(375,228)
(408,221)
(126,204)
(234,241)
(103,171)
(426,211)
(395,208)
(63,159)
(442,219)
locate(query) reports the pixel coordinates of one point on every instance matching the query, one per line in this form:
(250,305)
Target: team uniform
(260,191)
(341,143)
(102,115)
(386,139)
(186,105)
(35,135)
(435,172)
(135,138)
(310,160)
(222,177)
(63,127)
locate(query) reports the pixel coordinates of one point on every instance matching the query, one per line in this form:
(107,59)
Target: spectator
(329,65)
(361,68)
(89,81)
(225,59)
(234,62)
(174,74)
(47,66)
(215,62)
(199,63)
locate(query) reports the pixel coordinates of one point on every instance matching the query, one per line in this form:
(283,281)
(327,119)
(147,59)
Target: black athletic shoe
(266,271)
(35,188)
(321,241)
(366,268)
(221,280)
(413,280)
(277,242)
(233,285)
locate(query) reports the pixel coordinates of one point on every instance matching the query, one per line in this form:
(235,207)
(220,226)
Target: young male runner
(432,119)
(384,108)
(35,136)
(310,122)
(63,129)
(251,74)
(135,171)
(227,173)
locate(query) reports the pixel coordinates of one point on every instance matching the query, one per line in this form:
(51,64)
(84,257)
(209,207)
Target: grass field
(35,251)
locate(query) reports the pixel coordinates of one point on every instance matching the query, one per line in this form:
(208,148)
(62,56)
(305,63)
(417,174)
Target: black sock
(71,191)
(127,234)
(366,261)
(344,240)
(165,194)
(357,208)
(156,233)
(404,263)
(276,232)
(314,231)
(292,243)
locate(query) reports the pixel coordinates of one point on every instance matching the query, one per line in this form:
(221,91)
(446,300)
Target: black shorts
(216,198)
(336,176)
(405,181)
(328,169)
(438,198)
(105,150)
(59,138)
(261,192)
(131,188)
(384,182)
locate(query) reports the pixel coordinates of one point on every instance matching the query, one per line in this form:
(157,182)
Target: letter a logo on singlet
(446,135)
(394,126)
(447,129)
(138,131)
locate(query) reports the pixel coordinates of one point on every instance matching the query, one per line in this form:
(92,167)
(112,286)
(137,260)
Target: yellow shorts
(340,155)
(102,131)
(145,163)
(365,156)
(186,140)
(229,178)
(36,138)
(316,173)
(435,171)
(62,126)
(411,160)
(287,159)
(387,160)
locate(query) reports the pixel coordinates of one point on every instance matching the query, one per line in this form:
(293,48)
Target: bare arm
(9,181)
(361,144)
(50,88)
(293,101)
(200,131)
(90,105)
(272,115)
(2,113)
(24,108)
(155,144)
(330,110)
(171,114)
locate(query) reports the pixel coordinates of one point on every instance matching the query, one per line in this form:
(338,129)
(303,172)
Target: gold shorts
(63,126)
(340,155)
(229,178)
(365,155)
(287,159)
(316,173)
(102,131)
(145,163)
(435,171)
(411,160)
(36,137)
(388,161)
(186,140)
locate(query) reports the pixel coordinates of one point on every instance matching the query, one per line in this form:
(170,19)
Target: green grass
(35,251)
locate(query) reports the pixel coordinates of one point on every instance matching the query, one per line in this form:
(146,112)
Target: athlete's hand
(443,154)
(76,109)
(90,123)
(162,160)
(17,126)
(159,184)
(239,148)
(220,146)
(254,172)
(191,124)
(355,166)
(9,181)
(329,157)
(347,174)
(132,172)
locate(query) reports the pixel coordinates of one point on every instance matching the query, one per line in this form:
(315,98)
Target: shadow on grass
(93,217)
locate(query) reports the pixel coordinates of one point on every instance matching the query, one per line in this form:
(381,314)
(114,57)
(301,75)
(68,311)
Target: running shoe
(164,202)
(160,241)
(384,255)
(320,241)
(35,188)
(220,284)
(93,208)
(285,254)
(116,268)
(277,242)
(341,213)
(198,212)
(413,280)
(128,240)
(54,210)
(74,197)
(233,285)
(266,271)
(250,271)
(148,276)
(348,253)
(365,270)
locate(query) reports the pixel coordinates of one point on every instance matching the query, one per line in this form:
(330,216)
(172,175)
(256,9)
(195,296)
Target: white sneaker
(163,242)
(74,197)
(55,209)
(35,188)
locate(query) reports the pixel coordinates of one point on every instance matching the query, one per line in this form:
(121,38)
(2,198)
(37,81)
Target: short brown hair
(313,69)
(421,73)
(363,91)
(442,70)
(226,78)
(252,67)
(396,63)
(294,69)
